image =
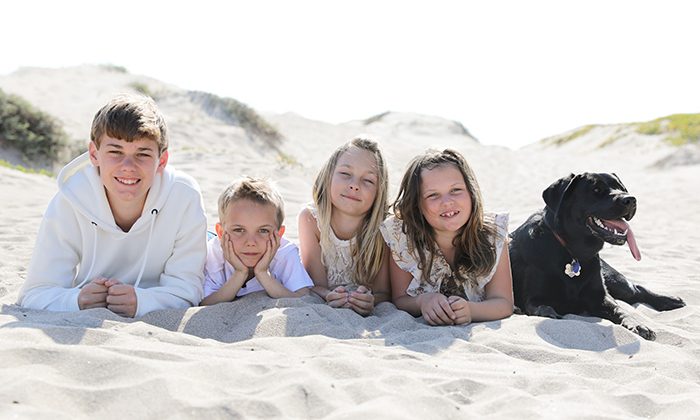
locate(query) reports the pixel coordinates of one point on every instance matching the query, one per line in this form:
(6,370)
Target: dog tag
(573,269)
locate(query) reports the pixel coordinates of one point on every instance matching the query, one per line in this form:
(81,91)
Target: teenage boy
(124,232)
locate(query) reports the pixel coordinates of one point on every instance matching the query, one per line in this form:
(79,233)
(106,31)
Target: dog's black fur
(538,258)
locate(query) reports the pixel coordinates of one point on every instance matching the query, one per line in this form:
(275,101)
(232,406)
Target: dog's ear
(556,193)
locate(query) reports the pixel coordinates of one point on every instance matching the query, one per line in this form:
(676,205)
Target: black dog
(554,254)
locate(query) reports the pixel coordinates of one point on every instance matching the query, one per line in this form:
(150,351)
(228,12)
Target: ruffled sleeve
(398,244)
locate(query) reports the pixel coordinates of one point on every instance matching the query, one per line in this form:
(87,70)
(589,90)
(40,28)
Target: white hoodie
(162,255)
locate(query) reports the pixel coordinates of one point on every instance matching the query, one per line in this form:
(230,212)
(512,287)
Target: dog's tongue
(622,226)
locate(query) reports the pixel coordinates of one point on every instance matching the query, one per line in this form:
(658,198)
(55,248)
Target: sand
(298,358)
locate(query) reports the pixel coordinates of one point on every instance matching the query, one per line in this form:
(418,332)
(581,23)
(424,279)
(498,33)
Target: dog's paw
(545,311)
(641,330)
(668,303)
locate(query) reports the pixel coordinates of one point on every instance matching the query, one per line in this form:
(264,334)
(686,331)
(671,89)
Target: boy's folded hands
(93,294)
(109,293)
(121,298)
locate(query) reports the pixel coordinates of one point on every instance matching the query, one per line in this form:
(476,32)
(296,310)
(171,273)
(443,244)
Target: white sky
(513,72)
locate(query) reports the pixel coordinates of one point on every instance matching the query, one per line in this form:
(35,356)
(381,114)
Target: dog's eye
(597,190)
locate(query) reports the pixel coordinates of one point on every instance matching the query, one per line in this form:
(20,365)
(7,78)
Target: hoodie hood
(79,183)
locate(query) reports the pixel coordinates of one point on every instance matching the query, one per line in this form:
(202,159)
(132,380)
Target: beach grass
(37,135)
(680,129)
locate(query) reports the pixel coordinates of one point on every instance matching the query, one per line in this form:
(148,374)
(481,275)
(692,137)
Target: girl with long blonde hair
(339,238)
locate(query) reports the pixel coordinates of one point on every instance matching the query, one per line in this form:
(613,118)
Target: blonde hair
(130,117)
(475,254)
(367,249)
(253,189)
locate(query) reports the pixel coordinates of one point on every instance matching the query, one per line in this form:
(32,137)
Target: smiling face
(593,207)
(354,182)
(250,226)
(127,169)
(445,201)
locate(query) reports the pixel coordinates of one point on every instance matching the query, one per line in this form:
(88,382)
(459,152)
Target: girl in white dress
(450,260)
(339,239)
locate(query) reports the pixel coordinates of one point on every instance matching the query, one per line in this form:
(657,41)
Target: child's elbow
(507,308)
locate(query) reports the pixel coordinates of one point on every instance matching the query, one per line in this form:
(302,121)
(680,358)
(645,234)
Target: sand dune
(298,358)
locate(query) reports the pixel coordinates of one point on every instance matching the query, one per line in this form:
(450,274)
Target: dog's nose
(627,201)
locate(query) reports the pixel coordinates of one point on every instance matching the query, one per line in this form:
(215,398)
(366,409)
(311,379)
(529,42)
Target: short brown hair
(254,189)
(130,117)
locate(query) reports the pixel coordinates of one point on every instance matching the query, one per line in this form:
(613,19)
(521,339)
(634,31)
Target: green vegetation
(37,135)
(650,127)
(288,160)
(608,141)
(21,168)
(680,128)
(617,135)
(114,68)
(141,88)
(232,111)
(576,134)
(376,118)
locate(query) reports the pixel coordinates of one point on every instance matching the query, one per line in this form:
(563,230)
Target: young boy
(123,232)
(249,254)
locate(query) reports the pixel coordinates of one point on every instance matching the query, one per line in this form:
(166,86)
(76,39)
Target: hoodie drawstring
(154,213)
(94,255)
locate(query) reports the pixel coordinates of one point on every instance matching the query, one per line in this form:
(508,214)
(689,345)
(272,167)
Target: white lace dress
(338,261)
(441,272)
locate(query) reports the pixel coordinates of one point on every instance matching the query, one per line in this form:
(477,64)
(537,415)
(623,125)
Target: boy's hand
(93,294)
(230,254)
(271,247)
(436,309)
(461,309)
(338,297)
(121,298)
(361,301)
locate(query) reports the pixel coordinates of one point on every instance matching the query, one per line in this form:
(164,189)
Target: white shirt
(285,267)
